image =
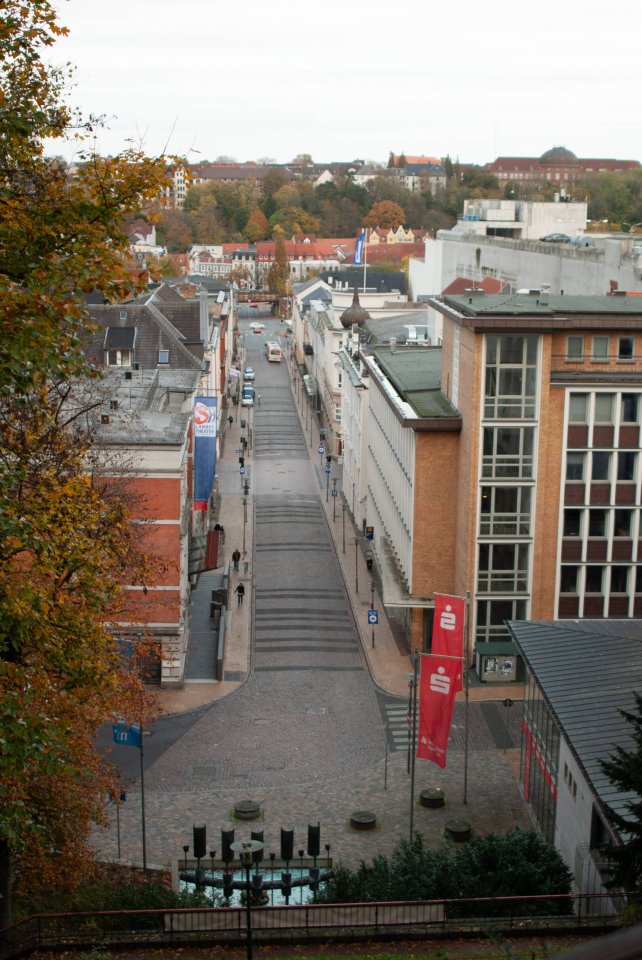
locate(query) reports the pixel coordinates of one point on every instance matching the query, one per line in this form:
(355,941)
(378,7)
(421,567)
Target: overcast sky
(357,79)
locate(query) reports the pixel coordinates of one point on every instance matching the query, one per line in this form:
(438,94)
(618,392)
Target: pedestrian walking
(236,556)
(240,593)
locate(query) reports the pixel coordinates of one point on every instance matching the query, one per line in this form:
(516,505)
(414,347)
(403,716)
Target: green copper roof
(415,373)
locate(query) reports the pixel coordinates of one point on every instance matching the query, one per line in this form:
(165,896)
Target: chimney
(204,331)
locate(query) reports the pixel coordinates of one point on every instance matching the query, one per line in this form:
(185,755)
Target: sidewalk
(389,667)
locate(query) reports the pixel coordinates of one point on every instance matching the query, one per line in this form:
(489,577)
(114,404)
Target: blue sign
(328,468)
(369,533)
(373,617)
(127,735)
(241,470)
(321,448)
(335,492)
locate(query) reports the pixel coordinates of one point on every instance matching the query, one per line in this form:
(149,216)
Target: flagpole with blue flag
(131,735)
(361,255)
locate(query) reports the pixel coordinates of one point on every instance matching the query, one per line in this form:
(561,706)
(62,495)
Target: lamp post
(372,591)
(343,525)
(356,564)
(245,849)
(244,520)
(334,499)
(412,682)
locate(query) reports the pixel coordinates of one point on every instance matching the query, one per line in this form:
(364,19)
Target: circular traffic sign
(321,448)
(373,616)
(328,468)
(335,492)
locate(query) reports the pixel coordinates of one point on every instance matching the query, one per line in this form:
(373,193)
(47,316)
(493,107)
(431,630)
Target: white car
(247,396)
(248,373)
(257,327)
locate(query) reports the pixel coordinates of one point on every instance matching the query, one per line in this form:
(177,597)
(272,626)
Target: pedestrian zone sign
(328,468)
(321,448)
(373,617)
(335,492)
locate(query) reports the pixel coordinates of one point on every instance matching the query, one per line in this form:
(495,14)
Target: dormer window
(119,346)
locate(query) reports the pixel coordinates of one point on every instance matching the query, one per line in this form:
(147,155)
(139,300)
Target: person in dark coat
(236,556)
(240,593)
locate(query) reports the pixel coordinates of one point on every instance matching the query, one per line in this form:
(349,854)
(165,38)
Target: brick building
(512,471)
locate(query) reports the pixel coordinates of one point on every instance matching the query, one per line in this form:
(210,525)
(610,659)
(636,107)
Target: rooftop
(415,374)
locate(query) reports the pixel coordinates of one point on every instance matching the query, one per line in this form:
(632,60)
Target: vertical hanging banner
(204,450)
(437,688)
(448,629)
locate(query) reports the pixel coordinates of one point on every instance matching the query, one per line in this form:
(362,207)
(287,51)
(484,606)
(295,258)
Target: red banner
(437,688)
(448,628)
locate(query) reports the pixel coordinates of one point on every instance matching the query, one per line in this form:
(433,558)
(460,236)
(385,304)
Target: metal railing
(436,918)
(505,525)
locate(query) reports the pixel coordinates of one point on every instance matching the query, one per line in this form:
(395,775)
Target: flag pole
(365,258)
(413,762)
(466,695)
(142,799)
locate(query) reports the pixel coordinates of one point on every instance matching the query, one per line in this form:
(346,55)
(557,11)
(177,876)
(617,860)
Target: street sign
(508,702)
(321,448)
(328,468)
(241,470)
(373,617)
(369,533)
(335,492)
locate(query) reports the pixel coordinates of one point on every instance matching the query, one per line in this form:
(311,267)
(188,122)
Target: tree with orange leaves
(63,544)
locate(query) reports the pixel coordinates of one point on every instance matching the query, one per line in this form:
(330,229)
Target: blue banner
(204,449)
(127,735)
(358,250)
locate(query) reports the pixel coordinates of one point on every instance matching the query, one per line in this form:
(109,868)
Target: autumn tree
(63,546)
(385,214)
(257,226)
(278,274)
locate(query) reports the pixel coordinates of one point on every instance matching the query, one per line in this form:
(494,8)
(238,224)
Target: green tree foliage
(63,545)
(624,770)
(517,864)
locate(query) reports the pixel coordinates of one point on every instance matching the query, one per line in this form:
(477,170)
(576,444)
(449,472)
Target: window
(508,452)
(575,348)
(626,463)
(630,407)
(577,408)
(600,349)
(568,579)
(622,523)
(575,466)
(597,523)
(619,579)
(594,579)
(625,347)
(573,523)
(163,356)
(604,407)
(601,465)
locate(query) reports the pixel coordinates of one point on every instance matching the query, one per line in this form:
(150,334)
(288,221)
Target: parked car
(257,327)
(247,396)
(254,306)
(556,238)
(248,373)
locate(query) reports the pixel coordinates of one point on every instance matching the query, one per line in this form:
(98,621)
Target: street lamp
(343,525)
(372,591)
(334,499)
(244,520)
(245,849)
(356,564)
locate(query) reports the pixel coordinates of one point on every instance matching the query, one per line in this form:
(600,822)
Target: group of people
(236,559)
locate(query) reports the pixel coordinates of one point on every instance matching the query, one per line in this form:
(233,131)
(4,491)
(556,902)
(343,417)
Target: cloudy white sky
(274,78)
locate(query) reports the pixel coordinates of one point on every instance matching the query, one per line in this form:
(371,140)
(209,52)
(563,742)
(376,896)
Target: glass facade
(506,476)
(540,759)
(602,524)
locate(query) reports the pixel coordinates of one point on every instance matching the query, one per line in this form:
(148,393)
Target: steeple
(355,312)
